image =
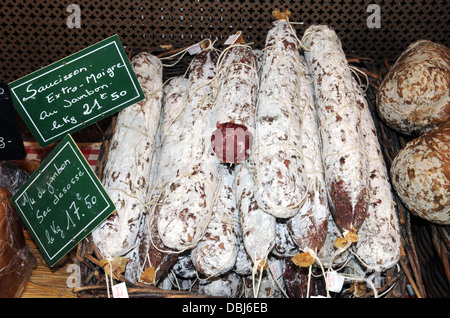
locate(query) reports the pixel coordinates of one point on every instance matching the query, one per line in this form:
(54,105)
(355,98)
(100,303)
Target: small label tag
(120,290)
(231,39)
(335,281)
(194,49)
(275,267)
(379,281)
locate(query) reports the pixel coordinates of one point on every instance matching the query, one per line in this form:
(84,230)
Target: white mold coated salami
(128,170)
(184,267)
(420,175)
(258,227)
(339,113)
(155,258)
(284,244)
(243,265)
(216,252)
(235,93)
(175,95)
(308,227)
(228,285)
(378,245)
(278,156)
(186,200)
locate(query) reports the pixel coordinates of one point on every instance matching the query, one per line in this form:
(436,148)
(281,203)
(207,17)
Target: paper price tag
(194,49)
(275,267)
(62,201)
(335,281)
(76,91)
(120,290)
(233,38)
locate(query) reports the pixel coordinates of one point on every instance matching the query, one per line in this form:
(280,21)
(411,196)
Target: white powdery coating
(284,244)
(339,113)
(216,252)
(379,241)
(184,267)
(243,265)
(280,171)
(228,285)
(415,96)
(175,96)
(165,283)
(258,227)
(420,174)
(186,201)
(308,227)
(235,88)
(128,169)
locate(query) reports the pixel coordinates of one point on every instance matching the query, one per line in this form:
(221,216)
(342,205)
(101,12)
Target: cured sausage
(243,265)
(308,227)
(279,161)
(175,95)
(235,96)
(300,282)
(184,268)
(378,245)
(227,285)
(329,255)
(216,252)
(155,258)
(186,200)
(339,113)
(420,175)
(258,227)
(128,169)
(284,244)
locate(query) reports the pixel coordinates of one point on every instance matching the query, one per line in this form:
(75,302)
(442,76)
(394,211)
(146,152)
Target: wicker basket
(421,272)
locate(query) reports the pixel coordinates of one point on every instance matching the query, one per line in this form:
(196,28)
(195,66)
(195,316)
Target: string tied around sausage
(306,259)
(224,221)
(182,52)
(282,60)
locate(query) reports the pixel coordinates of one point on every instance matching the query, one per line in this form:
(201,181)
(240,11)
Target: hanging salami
(339,113)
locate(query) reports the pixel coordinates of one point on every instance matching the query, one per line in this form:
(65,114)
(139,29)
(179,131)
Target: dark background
(34,33)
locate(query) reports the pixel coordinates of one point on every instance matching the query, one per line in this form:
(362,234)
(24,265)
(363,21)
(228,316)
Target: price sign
(62,202)
(11,143)
(76,91)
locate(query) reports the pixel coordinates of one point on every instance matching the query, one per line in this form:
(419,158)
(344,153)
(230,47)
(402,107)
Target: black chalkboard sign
(62,201)
(11,143)
(77,91)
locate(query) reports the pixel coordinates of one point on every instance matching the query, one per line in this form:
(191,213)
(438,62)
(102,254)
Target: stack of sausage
(245,176)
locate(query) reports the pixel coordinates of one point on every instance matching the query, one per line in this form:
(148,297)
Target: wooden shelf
(46,282)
